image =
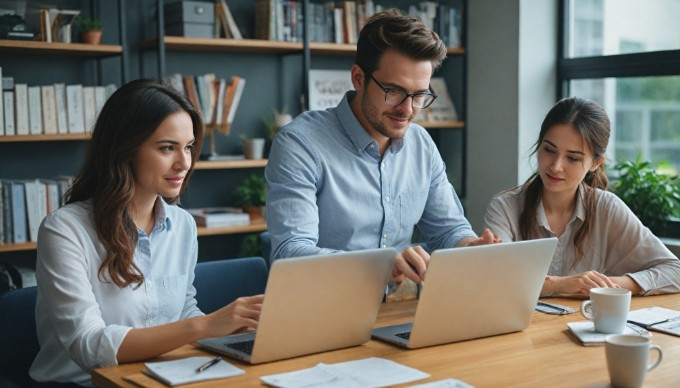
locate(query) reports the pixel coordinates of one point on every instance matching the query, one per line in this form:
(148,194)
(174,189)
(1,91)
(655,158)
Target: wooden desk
(542,355)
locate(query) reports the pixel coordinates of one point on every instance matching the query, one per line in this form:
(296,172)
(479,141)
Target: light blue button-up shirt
(329,190)
(82,321)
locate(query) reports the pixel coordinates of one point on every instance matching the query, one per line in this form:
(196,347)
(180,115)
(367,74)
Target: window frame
(643,64)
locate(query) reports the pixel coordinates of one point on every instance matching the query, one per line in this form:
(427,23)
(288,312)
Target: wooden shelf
(179,43)
(229,164)
(55,137)
(256,226)
(18,247)
(441,124)
(71,49)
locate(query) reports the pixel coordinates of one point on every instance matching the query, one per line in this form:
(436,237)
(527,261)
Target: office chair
(18,337)
(266,247)
(220,282)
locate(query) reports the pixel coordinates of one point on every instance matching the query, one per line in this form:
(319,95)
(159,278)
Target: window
(625,54)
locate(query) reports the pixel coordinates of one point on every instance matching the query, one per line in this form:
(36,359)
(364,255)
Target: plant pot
(92,37)
(256,213)
(253,148)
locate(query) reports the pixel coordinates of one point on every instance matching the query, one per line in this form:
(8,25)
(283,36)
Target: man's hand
(411,263)
(486,238)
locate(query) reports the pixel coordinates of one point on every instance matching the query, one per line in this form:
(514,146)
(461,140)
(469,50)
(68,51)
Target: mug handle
(587,310)
(658,360)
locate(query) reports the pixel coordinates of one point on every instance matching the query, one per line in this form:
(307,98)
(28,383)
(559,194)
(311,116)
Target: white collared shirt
(82,321)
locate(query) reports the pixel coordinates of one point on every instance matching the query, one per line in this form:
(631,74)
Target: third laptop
(475,292)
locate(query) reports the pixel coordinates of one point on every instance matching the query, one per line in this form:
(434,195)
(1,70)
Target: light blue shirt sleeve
(329,189)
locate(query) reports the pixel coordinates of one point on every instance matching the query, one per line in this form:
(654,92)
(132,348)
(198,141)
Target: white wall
(512,50)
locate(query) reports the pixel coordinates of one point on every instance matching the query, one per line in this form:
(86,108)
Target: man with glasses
(362,175)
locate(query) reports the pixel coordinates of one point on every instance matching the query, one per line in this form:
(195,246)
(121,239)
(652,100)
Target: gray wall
(511,86)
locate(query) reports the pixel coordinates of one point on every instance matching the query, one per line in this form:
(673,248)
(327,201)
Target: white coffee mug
(608,309)
(628,359)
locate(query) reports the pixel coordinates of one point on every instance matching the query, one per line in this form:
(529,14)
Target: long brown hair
(591,121)
(129,117)
(406,34)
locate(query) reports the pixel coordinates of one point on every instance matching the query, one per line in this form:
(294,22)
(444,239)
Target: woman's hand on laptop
(238,316)
(486,238)
(411,263)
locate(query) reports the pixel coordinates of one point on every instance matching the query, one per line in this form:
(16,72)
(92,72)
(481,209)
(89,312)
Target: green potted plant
(251,195)
(90,30)
(652,195)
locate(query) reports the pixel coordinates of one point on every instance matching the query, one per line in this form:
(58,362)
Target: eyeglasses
(394,97)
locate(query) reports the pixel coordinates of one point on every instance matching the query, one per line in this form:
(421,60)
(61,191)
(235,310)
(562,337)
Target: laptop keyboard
(243,346)
(405,335)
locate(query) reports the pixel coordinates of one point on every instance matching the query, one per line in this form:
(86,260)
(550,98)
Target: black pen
(554,307)
(208,364)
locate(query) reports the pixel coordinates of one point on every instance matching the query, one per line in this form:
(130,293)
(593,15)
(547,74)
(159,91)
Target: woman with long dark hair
(601,242)
(115,265)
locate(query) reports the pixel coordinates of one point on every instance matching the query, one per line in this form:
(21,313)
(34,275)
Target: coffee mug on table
(628,359)
(608,309)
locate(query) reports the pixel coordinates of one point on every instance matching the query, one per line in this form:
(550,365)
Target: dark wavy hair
(592,122)
(406,34)
(129,117)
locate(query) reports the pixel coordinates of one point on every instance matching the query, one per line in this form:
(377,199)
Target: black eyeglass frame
(406,95)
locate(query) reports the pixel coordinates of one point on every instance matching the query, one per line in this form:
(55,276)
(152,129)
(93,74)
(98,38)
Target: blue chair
(18,337)
(220,282)
(266,247)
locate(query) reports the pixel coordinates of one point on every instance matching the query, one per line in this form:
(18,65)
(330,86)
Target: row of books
(49,109)
(341,21)
(25,202)
(216,99)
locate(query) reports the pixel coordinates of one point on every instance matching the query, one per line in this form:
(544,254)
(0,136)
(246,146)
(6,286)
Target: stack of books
(212,217)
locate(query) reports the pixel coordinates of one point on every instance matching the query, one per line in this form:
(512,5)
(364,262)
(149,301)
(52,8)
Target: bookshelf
(38,63)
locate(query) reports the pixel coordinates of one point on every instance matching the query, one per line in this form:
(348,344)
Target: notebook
(314,304)
(475,292)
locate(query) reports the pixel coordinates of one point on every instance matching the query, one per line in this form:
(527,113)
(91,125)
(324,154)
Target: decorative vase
(92,36)
(253,148)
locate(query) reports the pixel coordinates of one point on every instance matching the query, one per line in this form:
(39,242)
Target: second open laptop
(314,304)
(476,292)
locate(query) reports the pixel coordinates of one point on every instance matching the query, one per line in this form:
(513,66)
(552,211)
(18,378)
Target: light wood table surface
(543,355)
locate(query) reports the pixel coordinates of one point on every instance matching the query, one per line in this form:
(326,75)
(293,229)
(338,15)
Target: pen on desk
(208,364)
(552,306)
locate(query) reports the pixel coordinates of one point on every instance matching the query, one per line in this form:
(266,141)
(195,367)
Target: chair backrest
(266,247)
(18,337)
(220,282)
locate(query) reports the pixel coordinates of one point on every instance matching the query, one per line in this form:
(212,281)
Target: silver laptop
(476,292)
(314,304)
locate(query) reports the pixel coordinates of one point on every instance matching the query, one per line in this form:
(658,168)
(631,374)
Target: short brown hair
(406,34)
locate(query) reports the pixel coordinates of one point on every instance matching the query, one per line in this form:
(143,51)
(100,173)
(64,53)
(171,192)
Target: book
(219,216)
(89,107)
(584,332)
(21,109)
(228,21)
(183,371)
(36,206)
(49,109)
(75,108)
(2,114)
(239,84)
(100,97)
(60,105)
(34,111)
(18,204)
(658,319)
(8,102)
